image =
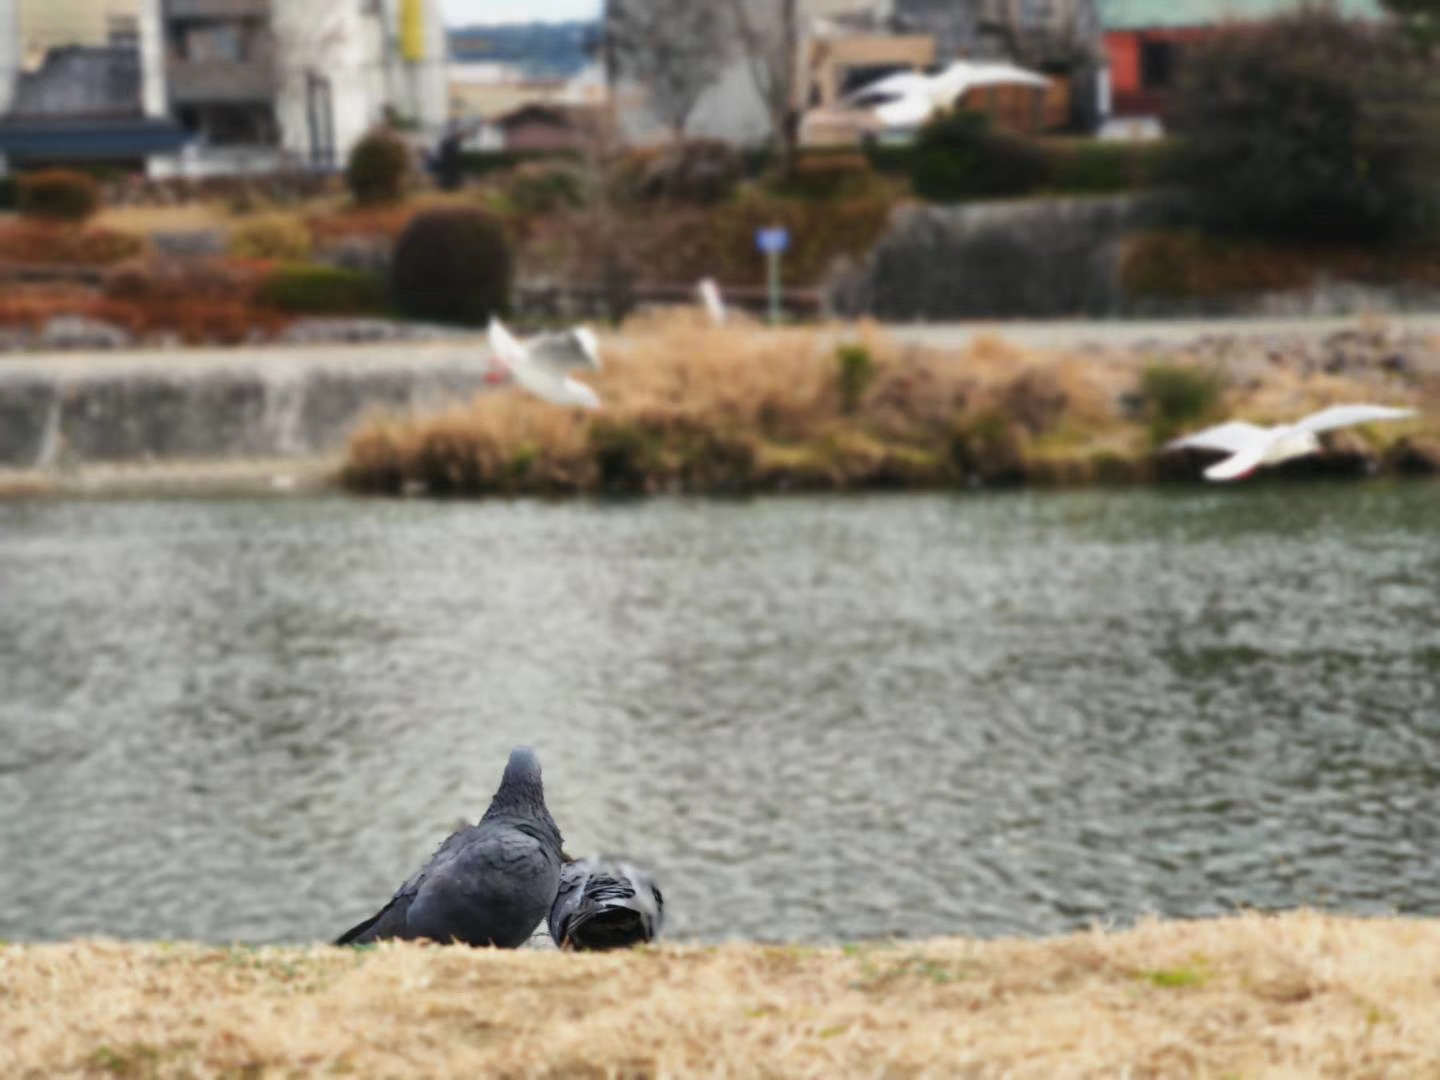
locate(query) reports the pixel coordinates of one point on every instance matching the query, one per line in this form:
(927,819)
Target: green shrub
(452,265)
(856,373)
(59,195)
(1176,396)
(545,187)
(376,170)
(961,155)
(1309,126)
(1098,167)
(276,236)
(308,289)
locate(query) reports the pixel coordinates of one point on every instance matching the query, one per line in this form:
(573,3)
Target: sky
(464,12)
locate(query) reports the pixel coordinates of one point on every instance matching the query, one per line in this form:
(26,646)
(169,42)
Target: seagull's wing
(1338,416)
(1240,463)
(574,348)
(1232,438)
(503,344)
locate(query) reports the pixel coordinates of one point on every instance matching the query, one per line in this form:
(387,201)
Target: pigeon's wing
(618,906)
(1338,416)
(1238,465)
(573,878)
(390,920)
(558,353)
(1231,438)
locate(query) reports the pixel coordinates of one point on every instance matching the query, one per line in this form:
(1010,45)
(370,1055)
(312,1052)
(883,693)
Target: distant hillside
(541,49)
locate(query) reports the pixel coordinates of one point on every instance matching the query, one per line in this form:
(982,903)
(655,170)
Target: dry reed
(692,407)
(1294,995)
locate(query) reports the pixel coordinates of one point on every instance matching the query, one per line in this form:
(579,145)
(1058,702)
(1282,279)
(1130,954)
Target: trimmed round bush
(1308,127)
(58,195)
(376,170)
(452,265)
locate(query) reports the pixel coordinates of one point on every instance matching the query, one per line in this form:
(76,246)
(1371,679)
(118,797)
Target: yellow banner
(412,30)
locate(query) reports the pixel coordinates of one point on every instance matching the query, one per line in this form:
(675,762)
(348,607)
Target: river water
(818,718)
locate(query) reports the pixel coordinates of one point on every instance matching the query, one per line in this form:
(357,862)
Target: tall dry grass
(1290,996)
(693,407)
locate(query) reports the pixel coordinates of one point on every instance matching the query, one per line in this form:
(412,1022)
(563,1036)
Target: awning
(97,139)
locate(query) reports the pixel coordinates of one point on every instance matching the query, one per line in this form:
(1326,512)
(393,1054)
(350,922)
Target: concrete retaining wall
(1053,258)
(1032,258)
(272,403)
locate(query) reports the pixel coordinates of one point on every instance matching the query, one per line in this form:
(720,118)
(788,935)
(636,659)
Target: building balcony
(215,82)
(216,9)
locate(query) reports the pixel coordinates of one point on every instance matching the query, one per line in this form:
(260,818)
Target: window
(212,41)
(231,125)
(1157,64)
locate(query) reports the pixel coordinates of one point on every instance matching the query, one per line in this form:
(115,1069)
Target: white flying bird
(541,365)
(1251,446)
(710,297)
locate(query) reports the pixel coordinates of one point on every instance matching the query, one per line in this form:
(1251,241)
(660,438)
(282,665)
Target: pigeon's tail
(359,934)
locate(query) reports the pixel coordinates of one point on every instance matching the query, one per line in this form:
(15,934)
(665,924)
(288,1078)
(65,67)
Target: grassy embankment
(689,407)
(1298,995)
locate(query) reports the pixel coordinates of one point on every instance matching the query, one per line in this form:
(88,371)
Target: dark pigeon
(605,904)
(490,883)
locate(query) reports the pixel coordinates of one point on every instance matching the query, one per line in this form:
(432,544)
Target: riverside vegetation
(1294,995)
(690,407)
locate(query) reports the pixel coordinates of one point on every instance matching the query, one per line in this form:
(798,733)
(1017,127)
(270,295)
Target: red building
(1145,39)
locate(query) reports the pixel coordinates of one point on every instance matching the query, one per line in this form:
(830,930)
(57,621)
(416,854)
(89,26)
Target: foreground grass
(1296,995)
(691,407)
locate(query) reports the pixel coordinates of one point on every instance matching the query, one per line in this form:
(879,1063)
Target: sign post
(773,242)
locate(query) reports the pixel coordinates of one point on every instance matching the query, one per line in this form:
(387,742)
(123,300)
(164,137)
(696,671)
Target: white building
(263,84)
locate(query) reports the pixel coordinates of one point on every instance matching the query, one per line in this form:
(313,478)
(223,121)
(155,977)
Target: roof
(81,80)
(90,139)
(1147,14)
(555,115)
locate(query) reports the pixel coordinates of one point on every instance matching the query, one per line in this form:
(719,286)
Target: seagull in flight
(1251,446)
(542,364)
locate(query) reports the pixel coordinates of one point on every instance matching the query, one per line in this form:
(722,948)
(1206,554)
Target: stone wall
(1031,258)
(1055,258)
(68,411)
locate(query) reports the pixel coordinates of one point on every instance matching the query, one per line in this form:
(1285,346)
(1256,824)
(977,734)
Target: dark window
(1157,64)
(231,125)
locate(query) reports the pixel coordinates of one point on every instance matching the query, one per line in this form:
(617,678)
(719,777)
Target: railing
(218,82)
(598,300)
(215,9)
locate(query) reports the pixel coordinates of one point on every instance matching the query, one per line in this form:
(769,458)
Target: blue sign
(772,241)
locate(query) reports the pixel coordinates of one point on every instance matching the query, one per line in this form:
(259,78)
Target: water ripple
(820,719)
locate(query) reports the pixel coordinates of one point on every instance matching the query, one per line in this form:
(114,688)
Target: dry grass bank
(1297,995)
(692,407)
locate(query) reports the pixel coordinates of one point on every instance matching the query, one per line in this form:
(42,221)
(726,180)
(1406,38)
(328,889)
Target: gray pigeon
(490,883)
(605,904)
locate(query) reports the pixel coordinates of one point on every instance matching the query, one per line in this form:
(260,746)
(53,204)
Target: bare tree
(675,48)
(769,34)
